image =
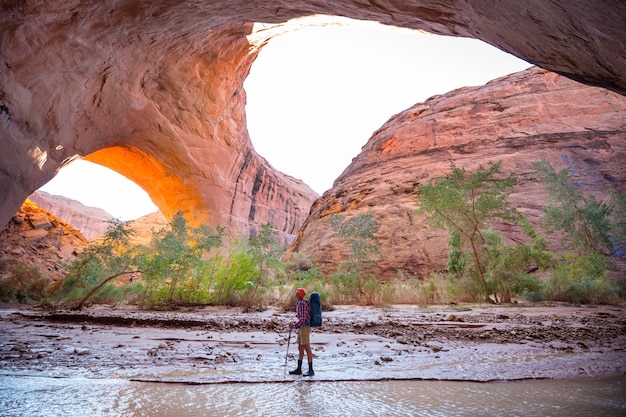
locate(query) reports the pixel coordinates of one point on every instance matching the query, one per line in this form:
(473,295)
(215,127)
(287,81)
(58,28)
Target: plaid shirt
(302,313)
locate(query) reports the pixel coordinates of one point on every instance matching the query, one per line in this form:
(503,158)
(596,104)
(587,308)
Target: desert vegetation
(184,265)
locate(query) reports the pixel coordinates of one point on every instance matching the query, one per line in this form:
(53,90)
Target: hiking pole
(287,354)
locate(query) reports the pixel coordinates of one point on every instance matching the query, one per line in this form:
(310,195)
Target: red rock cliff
(154,90)
(517,119)
(92,222)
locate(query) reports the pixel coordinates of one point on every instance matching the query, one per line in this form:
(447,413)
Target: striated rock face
(517,119)
(145,225)
(154,90)
(92,222)
(35,237)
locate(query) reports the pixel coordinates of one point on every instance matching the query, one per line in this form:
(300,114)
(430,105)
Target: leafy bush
(354,274)
(101,262)
(25,284)
(234,280)
(170,264)
(464,204)
(582,280)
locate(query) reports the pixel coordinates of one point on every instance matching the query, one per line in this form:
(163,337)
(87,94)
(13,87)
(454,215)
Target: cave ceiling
(154,89)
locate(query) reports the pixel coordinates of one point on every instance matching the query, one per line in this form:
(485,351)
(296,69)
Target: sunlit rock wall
(517,119)
(154,90)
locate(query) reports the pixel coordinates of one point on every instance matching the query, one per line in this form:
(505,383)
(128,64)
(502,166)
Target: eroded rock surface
(517,119)
(35,237)
(92,222)
(154,90)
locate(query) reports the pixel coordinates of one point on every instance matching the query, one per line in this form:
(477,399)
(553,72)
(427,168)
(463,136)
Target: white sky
(315,96)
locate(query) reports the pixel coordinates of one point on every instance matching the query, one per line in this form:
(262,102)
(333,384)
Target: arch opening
(315,95)
(330,87)
(94,185)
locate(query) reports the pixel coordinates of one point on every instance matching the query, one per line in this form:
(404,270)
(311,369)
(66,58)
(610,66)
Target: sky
(314,98)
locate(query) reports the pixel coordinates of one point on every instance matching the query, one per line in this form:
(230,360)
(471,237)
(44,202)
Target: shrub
(170,264)
(464,204)
(582,280)
(25,284)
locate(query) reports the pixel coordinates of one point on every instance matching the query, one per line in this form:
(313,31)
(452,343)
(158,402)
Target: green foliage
(464,204)
(582,279)
(359,233)
(589,228)
(584,220)
(457,257)
(233,279)
(265,252)
(508,266)
(302,270)
(245,275)
(101,260)
(170,264)
(346,287)
(24,284)
(441,288)
(353,274)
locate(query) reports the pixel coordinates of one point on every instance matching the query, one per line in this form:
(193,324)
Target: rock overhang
(155,90)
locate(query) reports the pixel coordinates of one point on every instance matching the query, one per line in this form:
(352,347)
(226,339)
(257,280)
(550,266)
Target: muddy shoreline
(224,345)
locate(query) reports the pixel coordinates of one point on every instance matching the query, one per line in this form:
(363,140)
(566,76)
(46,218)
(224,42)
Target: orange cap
(301,292)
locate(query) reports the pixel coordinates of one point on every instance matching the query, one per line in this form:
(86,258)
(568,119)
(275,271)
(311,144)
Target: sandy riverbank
(217,345)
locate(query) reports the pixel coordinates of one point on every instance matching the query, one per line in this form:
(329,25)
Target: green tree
(243,276)
(101,262)
(591,229)
(508,266)
(173,257)
(584,220)
(464,204)
(364,252)
(265,252)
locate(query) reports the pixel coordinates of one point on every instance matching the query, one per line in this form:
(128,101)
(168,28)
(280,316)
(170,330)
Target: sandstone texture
(517,119)
(92,222)
(154,90)
(35,237)
(145,225)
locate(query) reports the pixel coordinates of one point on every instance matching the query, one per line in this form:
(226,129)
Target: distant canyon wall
(517,119)
(92,222)
(154,90)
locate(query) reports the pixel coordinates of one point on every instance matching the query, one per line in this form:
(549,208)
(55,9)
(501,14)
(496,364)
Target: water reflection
(42,397)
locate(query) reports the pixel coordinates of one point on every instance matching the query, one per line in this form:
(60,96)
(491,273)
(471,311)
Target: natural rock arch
(155,88)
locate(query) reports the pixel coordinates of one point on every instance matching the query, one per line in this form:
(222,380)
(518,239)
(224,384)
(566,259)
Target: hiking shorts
(304,335)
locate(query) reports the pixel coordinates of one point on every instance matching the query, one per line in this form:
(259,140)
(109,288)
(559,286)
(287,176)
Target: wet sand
(224,345)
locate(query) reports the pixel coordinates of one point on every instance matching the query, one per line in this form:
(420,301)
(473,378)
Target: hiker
(304,331)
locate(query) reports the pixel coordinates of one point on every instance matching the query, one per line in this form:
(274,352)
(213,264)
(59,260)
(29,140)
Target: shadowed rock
(154,90)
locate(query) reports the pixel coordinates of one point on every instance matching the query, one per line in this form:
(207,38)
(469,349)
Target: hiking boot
(298,370)
(310,371)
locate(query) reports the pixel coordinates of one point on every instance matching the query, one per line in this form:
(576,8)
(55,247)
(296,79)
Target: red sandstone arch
(172,193)
(161,83)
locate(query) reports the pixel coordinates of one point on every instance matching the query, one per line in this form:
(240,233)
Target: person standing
(304,333)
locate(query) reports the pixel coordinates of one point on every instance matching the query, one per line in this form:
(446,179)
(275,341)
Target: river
(40,396)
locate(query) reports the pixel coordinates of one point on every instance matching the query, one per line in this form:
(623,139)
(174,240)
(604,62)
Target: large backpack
(315,310)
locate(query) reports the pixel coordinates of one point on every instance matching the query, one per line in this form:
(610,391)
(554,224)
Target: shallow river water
(32,396)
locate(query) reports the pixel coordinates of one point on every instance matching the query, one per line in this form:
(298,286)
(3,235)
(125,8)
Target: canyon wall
(154,90)
(518,119)
(92,222)
(36,238)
